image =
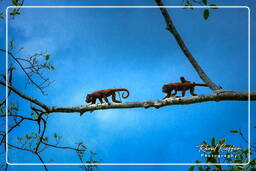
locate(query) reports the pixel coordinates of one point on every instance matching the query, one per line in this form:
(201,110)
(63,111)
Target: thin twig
(23,69)
(42,161)
(61,147)
(42,135)
(14,126)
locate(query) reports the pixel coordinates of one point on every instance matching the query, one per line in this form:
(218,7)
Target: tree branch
(171,28)
(19,93)
(61,147)
(14,126)
(222,96)
(42,161)
(23,69)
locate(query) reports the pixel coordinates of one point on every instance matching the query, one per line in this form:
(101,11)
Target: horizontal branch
(62,147)
(222,96)
(219,96)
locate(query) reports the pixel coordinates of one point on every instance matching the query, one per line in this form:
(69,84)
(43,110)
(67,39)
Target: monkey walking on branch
(104,94)
(182,86)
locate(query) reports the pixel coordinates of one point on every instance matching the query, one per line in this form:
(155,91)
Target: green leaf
(45,139)
(55,135)
(201,169)
(11,43)
(213,141)
(47,57)
(20,138)
(233,131)
(206,14)
(254,126)
(22,49)
(222,141)
(15,2)
(197,161)
(191,168)
(219,167)
(213,6)
(52,67)
(84,147)
(205,2)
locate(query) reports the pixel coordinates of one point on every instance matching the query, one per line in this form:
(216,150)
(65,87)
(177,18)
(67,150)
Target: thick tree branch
(171,28)
(223,96)
(220,96)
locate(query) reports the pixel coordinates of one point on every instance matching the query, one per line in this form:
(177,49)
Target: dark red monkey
(104,94)
(182,86)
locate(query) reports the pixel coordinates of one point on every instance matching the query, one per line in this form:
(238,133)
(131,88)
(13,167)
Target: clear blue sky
(93,49)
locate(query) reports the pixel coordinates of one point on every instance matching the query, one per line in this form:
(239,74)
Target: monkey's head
(88,98)
(182,79)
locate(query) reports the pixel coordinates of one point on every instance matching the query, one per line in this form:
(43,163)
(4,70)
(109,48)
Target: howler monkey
(104,94)
(182,86)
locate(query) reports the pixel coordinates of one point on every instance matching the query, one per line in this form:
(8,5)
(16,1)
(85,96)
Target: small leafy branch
(237,157)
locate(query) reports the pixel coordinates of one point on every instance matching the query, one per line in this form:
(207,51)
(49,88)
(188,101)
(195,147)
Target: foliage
(206,12)
(221,155)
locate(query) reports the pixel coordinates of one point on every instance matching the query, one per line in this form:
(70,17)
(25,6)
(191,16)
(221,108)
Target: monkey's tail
(198,84)
(123,94)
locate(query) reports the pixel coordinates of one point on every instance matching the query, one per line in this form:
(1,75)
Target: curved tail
(198,84)
(123,94)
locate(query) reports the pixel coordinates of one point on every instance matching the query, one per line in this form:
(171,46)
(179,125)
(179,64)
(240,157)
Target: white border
(194,164)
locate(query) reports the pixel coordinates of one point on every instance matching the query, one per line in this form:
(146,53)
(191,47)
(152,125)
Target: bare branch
(19,93)
(61,147)
(19,148)
(222,96)
(41,137)
(14,126)
(10,69)
(33,68)
(171,28)
(19,116)
(42,161)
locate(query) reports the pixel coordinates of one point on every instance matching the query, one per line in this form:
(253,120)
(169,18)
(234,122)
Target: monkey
(104,94)
(182,86)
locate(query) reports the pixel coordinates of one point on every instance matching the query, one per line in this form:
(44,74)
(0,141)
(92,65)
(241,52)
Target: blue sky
(93,49)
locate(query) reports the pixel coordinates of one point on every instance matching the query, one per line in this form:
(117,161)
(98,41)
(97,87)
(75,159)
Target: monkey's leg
(192,90)
(183,93)
(106,100)
(167,96)
(93,100)
(101,101)
(114,98)
(175,92)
